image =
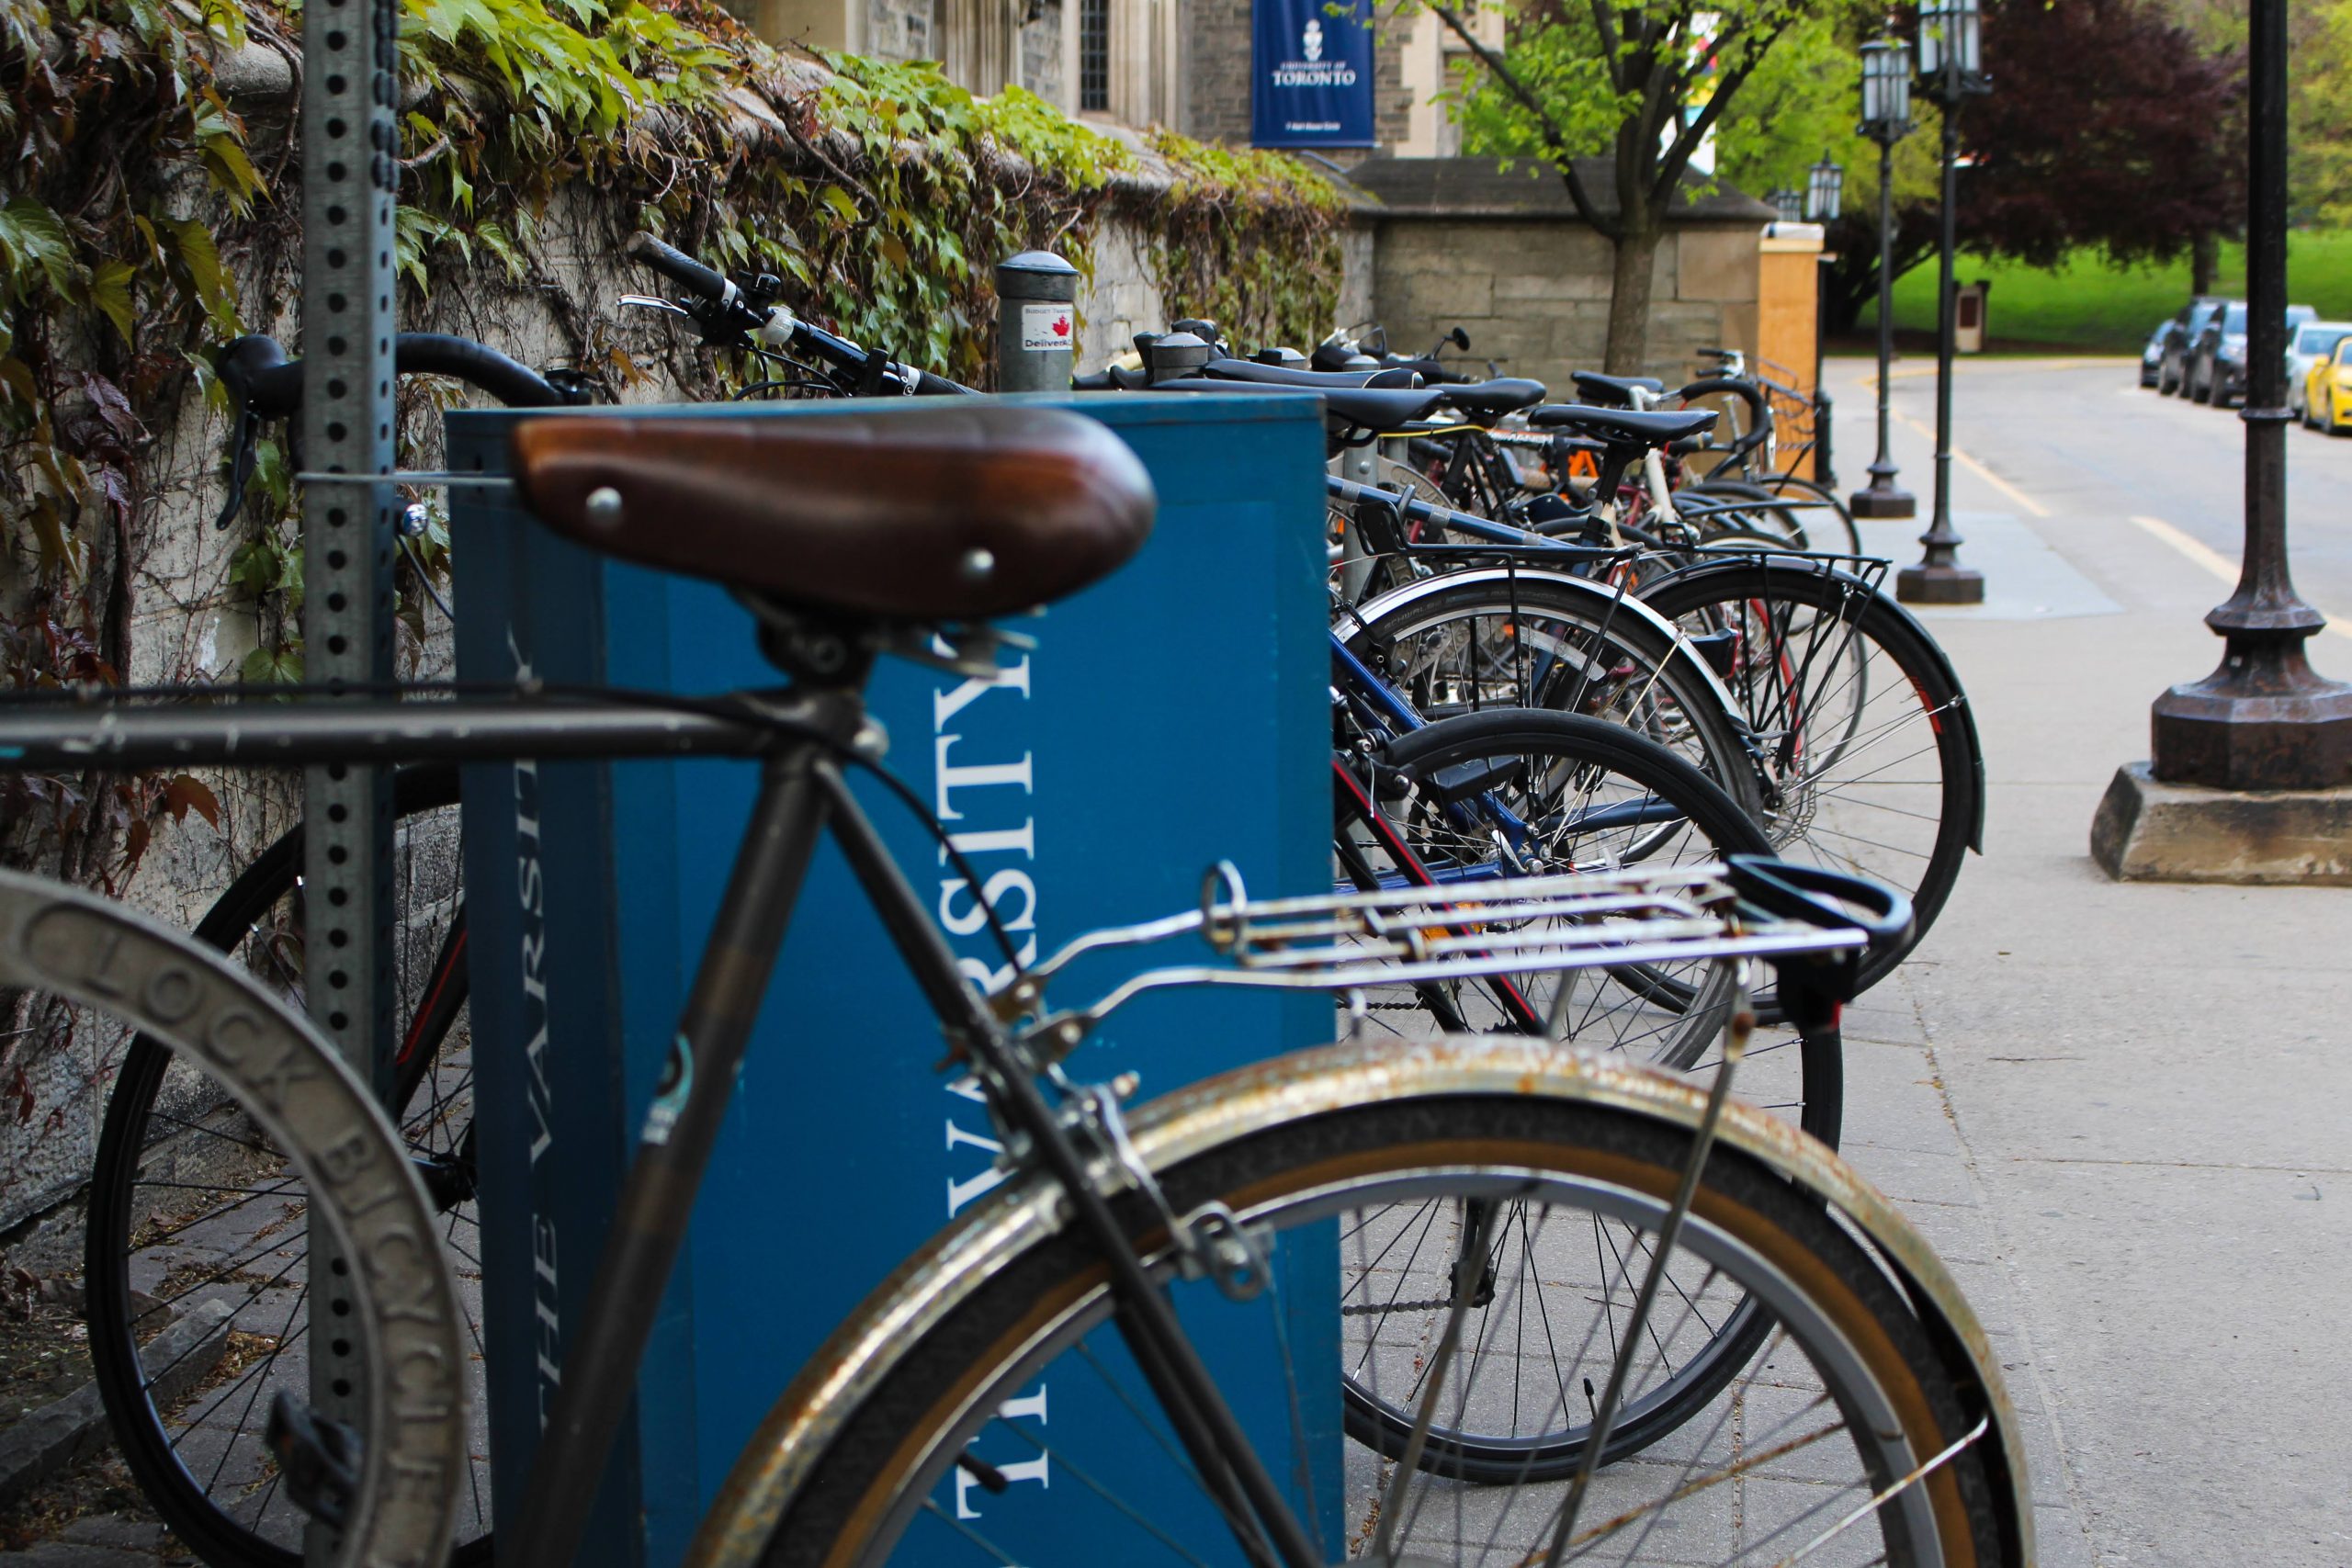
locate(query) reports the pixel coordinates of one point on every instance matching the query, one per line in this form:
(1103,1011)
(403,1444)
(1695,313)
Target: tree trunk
(1629,299)
(2204,261)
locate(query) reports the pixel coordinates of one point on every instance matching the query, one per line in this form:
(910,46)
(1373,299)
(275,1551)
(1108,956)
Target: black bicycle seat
(1361,408)
(1312,380)
(1505,394)
(1623,427)
(1613,391)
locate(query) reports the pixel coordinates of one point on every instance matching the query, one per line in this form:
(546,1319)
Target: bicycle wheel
(1790,487)
(190,1204)
(1867,749)
(1497,638)
(1550,792)
(1517,792)
(1449,1217)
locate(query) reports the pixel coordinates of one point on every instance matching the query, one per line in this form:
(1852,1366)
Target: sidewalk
(2115,1108)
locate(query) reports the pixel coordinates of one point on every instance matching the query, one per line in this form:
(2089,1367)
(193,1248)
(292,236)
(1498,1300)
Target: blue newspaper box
(1170,716)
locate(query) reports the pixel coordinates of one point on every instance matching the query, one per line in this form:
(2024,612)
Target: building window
(1094,55)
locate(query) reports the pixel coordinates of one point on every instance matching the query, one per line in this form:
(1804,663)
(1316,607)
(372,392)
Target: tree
(2137,156)
(1644,82)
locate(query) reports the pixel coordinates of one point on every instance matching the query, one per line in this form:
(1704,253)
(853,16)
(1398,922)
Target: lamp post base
(2290,730)
(1938,585)
(1881,502)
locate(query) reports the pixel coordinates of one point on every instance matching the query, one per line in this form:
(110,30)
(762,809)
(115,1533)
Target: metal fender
(1238,1104)
(1889,604)
(94,952)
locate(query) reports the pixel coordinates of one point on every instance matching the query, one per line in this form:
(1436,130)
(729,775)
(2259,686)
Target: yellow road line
(2219,565)
(1982,472)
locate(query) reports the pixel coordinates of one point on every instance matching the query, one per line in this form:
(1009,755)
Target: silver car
(2312,341)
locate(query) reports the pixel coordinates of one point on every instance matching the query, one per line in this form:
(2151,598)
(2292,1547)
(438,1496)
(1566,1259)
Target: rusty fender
(1236,1104)
(94,952)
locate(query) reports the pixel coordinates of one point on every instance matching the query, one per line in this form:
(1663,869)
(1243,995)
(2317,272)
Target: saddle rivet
(604,507)
(978,564)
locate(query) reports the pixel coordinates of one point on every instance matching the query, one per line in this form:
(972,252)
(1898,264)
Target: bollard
(1172,356)
(1037,323)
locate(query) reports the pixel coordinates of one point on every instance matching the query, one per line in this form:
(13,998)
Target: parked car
(2180,334)
(2327,389)
(2151,358)
(2216,372)
(2312,343)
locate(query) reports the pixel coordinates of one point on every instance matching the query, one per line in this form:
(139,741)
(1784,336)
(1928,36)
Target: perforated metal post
(349,176)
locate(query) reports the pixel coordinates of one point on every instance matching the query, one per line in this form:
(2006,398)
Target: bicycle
(1580,797)
(1921,1472)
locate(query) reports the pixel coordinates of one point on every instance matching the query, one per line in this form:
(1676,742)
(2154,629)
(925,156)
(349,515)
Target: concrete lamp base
(2149,831)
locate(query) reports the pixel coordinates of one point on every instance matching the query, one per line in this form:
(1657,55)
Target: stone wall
(1217,70)
(1535,293)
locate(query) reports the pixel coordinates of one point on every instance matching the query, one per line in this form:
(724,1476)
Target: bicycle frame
(802,795)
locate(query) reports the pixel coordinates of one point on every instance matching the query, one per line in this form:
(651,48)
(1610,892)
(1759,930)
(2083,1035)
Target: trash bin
(1967,326)
(1173,714)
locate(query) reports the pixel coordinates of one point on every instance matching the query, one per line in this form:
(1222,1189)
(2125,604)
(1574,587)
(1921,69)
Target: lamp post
(1789,204)
(1886,119)
(1951,75)
(1825,199)
(2264,719)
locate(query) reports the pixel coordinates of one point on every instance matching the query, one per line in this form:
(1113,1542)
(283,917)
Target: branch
(1554,137)
(1678,155)
(1604,21)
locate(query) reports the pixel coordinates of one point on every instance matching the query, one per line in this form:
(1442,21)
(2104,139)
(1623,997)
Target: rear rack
(1348,940)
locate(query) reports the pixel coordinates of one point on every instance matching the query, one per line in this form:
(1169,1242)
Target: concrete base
(2148,831)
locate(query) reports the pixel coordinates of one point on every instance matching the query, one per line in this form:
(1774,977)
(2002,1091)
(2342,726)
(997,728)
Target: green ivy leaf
(110,294)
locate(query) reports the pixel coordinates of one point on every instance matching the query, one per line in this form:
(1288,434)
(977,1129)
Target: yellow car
(2327,391)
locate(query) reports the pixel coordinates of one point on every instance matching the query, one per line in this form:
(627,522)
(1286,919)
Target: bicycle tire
(1557,792)
(1494,639)
(1850,537)
(846,1471)
(1815,647)
(151,1439)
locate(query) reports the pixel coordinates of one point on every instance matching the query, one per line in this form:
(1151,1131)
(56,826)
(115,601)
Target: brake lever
(655,302)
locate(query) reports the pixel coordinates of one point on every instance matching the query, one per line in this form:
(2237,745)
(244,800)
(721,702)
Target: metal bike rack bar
(350,176)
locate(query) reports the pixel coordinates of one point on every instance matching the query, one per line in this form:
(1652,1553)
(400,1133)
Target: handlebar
(726,311)
(683,270)
(263,382)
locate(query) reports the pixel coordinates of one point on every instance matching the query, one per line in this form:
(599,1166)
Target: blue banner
(1310,77)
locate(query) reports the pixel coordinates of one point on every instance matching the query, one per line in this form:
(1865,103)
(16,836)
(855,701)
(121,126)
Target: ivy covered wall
(149,210)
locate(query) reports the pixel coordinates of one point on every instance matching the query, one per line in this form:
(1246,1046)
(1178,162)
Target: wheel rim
(1852,1427)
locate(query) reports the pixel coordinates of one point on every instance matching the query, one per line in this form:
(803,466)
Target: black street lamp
(1886,119)
(1825,199)
(1825,191)
(1950,74)
(1789,204)
(2264,719)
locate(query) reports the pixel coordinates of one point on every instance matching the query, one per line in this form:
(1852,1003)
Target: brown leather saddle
(941,512)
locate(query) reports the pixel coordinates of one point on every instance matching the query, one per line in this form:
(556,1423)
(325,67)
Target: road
(2143,1169)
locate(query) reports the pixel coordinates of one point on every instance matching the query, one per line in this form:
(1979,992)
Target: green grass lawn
(2090,305)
